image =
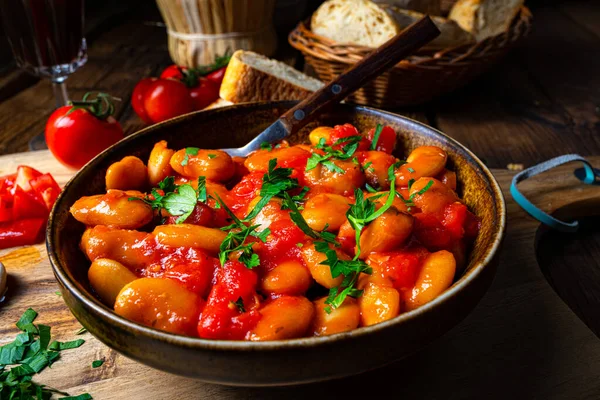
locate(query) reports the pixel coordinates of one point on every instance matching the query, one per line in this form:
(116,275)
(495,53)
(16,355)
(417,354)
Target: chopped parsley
(266,146)
(410,170)
(28,354)
(97,363)
(178,200)
(235,241)
(378,131)
(349,146)
(409,202)
(211,156)
(189,151)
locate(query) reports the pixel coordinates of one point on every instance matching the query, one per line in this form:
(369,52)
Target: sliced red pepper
(24,175)
(6,203)
(46,189)
(21,232)
(25,205)
(7,182)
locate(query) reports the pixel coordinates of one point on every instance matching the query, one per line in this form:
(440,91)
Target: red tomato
(386,141)
(195,274)
(245,191)
(431,233)
(455,215)
(221,318)
(46,189)
(217,76)
(21,232)
(204,93)
(25,205)
(76,136)
(347,130)
(138,96)
(165,99)
(403,268)
(173,72)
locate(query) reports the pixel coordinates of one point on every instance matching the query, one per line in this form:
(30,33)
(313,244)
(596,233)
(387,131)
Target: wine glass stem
(60,91)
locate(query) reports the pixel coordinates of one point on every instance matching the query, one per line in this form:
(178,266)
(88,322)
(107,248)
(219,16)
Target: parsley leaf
(179,200)
(266,146)
(350,269)
(211,156)
(275,182)
(378,131)
(181,203)
(350,145)
(235,241)
(189,151)
(97,363)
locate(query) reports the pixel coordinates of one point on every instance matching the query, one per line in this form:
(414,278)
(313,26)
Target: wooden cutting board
(521,341)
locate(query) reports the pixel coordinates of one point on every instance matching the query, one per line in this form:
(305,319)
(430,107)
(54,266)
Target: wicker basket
(418,79)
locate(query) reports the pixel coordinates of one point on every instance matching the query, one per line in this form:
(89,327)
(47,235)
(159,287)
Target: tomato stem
(102,106)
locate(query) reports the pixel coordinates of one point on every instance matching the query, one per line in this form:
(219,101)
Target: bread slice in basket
(359,22)
(451,35)
(254,77)
(485,18)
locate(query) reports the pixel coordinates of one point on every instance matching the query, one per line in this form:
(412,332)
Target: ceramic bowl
(286,361)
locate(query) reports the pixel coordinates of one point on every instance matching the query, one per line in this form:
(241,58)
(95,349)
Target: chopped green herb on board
(29,353)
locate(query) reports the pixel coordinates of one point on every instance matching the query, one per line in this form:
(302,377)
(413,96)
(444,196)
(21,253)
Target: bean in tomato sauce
(291,241)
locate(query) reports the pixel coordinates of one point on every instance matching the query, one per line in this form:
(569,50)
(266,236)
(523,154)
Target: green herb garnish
(350,269)
(28,354)
(236,239)
(179,201)
(211,156)
(378,131)
(350,145)
(97,363)
(189,151)
(266,146)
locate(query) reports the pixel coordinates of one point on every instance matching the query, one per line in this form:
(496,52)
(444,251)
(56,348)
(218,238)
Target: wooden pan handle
(385,57)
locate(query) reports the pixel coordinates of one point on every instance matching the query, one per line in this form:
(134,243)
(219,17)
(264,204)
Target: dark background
(541,101)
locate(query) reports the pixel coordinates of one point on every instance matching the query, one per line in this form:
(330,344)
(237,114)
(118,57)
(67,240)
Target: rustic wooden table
(543,100)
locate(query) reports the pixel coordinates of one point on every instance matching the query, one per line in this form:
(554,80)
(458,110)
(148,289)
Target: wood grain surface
(520,342)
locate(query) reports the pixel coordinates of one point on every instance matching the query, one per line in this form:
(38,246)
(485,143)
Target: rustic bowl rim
(250,346)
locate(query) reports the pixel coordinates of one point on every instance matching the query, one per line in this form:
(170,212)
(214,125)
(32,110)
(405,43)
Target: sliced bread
(254,77)
(359,22)
(485,18)
(451,34)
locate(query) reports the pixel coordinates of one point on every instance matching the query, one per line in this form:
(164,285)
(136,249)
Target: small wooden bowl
(287,361)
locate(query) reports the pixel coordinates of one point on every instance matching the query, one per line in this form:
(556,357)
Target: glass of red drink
(46,37)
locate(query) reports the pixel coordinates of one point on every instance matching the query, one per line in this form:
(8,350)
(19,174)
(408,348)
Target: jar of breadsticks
(201,30)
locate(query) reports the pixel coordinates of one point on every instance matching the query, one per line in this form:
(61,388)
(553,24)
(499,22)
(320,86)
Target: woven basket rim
(309,43)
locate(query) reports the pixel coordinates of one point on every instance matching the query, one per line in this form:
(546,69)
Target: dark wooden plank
(540,102)
(586,13)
